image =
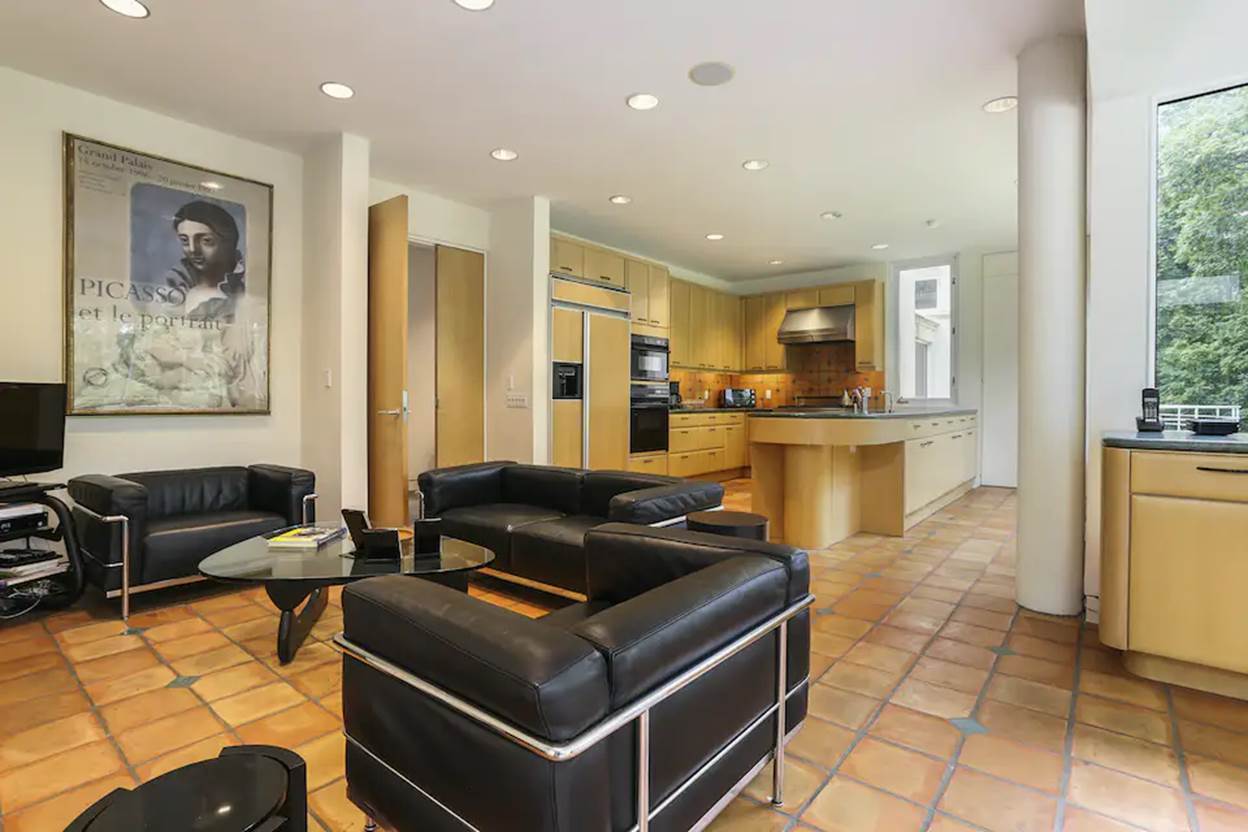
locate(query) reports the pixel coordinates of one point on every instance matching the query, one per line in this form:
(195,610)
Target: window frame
(893,324)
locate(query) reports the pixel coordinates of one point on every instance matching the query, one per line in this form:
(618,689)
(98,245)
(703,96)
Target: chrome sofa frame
(126,590)
(638,711)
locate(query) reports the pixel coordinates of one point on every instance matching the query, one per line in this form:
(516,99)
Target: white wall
(819,277)
(421,368)
(517,349)
(1140,52)
(999,413)
(435,219)
(31,282)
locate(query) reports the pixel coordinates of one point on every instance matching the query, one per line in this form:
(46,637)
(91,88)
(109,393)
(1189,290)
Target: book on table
(305,537)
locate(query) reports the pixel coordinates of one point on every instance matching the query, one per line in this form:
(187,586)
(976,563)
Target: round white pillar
(1051,324)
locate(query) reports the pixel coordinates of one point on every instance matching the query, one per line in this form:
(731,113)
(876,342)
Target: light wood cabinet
(869,325)
(567,257)
(604,265)
(567,335)
(736,449)
(774,351)
(755,309)
(1188,571)
(679,344)
(801,299)
(637,281)
(657,304)
(701,334)
(704,443)
(648,463)
(938,463)
(839,295)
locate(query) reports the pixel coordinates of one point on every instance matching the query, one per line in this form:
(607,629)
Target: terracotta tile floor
(936,703)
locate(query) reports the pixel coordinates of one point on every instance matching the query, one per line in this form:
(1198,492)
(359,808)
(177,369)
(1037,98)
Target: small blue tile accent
(873,575)
(132,631)
(968,726)
(183,682)
(1003,651)
(824,611)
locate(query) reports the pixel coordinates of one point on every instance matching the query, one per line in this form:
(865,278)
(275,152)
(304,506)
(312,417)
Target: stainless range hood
(820,325)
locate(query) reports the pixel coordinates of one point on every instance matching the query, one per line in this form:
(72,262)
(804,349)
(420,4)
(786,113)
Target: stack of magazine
(18,568)
(305,537)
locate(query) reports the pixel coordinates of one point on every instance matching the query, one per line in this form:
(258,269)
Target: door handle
(1212,470)
(395,412)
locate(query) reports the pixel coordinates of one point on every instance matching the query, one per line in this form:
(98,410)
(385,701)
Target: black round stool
(729,524)
(246,789)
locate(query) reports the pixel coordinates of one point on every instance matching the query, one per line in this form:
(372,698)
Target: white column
(1051,324)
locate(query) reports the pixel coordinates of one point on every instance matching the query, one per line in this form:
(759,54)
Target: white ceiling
(869,108)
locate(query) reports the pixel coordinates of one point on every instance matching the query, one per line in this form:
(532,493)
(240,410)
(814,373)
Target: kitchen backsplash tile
(815,370)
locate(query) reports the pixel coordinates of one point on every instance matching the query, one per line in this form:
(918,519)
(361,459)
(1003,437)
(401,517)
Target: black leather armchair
(534,518)
(156,526)
(648,706)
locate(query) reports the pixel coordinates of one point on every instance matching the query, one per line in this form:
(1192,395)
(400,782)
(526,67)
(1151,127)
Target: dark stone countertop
(1176,440)
(698,409)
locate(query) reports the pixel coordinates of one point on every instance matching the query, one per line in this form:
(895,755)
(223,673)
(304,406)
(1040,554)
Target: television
(32,427)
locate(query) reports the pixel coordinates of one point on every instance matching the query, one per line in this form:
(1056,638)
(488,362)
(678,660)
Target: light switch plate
(517,400)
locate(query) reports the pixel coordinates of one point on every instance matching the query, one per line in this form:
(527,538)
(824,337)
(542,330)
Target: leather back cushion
(193,491)
(625,560)
(474,484)
(540,485)
(600,486)
(656,635)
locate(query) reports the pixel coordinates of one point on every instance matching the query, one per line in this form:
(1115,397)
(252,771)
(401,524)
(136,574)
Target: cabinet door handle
(957,436)
(1213,470)
(925,444)
(565,268)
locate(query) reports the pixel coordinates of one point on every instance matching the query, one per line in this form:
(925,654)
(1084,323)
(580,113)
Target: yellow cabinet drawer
(690,463)
(1188,570)
(648,464)
(1196,476)
(695,438)
(690,420)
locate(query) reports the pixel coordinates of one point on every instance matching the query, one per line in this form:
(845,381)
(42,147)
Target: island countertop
(843,413)
(1176,440)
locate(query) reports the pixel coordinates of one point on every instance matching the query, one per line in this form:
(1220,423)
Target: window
(1201,323)
(925,327)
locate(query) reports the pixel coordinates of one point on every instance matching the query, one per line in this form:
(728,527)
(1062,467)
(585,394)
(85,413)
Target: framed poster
(168,273)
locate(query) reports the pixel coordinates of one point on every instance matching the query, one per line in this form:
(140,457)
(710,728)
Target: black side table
(69,584)
(729,523)
(247,788)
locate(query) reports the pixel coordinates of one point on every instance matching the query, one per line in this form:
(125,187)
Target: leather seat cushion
(174,546)
(601,486)
(491,525)
(553,552)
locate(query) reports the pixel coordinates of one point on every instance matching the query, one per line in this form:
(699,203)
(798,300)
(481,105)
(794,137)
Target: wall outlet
(767,395)
(329,378)
(517,400)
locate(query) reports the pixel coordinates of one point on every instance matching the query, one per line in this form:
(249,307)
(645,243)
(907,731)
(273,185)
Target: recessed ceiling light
(336,90)
(714,237)
(756,164)
(129,8)
(775,262)
(831,215)
(474,5)
(643,101)
(504,154)
(1001,105)
(620,199)
(711,74)
(880,246)
(211,185)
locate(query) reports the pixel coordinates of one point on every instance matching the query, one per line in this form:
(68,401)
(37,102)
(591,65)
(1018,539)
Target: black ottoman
(729,524)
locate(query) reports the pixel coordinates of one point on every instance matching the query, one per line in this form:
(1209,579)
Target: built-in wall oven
(648,418)
(649,361)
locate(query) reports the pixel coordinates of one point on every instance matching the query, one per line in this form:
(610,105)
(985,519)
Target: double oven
(650,395)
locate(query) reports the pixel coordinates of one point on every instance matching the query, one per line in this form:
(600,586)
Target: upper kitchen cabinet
(773,316)
(567,257)
(869,325)
(679,344)
(637,281)
(755,338)
(658,303)
(840,295)
(604,265)
(801,299)
(701,328)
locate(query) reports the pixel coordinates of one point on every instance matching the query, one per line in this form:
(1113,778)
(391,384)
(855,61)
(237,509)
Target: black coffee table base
(295,623)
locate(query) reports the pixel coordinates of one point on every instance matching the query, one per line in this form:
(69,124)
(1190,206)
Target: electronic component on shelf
(22,518)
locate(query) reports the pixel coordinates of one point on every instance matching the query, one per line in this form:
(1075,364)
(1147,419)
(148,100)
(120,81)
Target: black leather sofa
(463,715)
(175,519)
(534,518)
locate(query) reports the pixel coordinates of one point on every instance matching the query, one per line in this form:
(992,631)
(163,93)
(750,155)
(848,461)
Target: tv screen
(32,427)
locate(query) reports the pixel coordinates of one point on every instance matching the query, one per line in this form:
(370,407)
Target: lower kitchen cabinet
(937,464)
(648,463)
(736,448)
(706,443)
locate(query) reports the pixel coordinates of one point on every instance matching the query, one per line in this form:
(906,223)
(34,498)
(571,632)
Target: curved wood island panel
(821,476)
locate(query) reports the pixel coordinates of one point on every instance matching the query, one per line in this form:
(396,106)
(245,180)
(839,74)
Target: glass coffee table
(292,576)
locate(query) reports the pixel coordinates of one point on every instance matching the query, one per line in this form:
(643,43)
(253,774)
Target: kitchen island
(822,474)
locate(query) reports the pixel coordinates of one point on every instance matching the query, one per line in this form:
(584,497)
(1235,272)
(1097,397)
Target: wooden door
(608,392)
(658,303)
(680,301)
(567,257)
(637,278)
(387,363)
(460,280)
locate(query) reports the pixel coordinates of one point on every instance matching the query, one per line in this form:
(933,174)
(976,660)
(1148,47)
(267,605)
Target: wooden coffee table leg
(294,626)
